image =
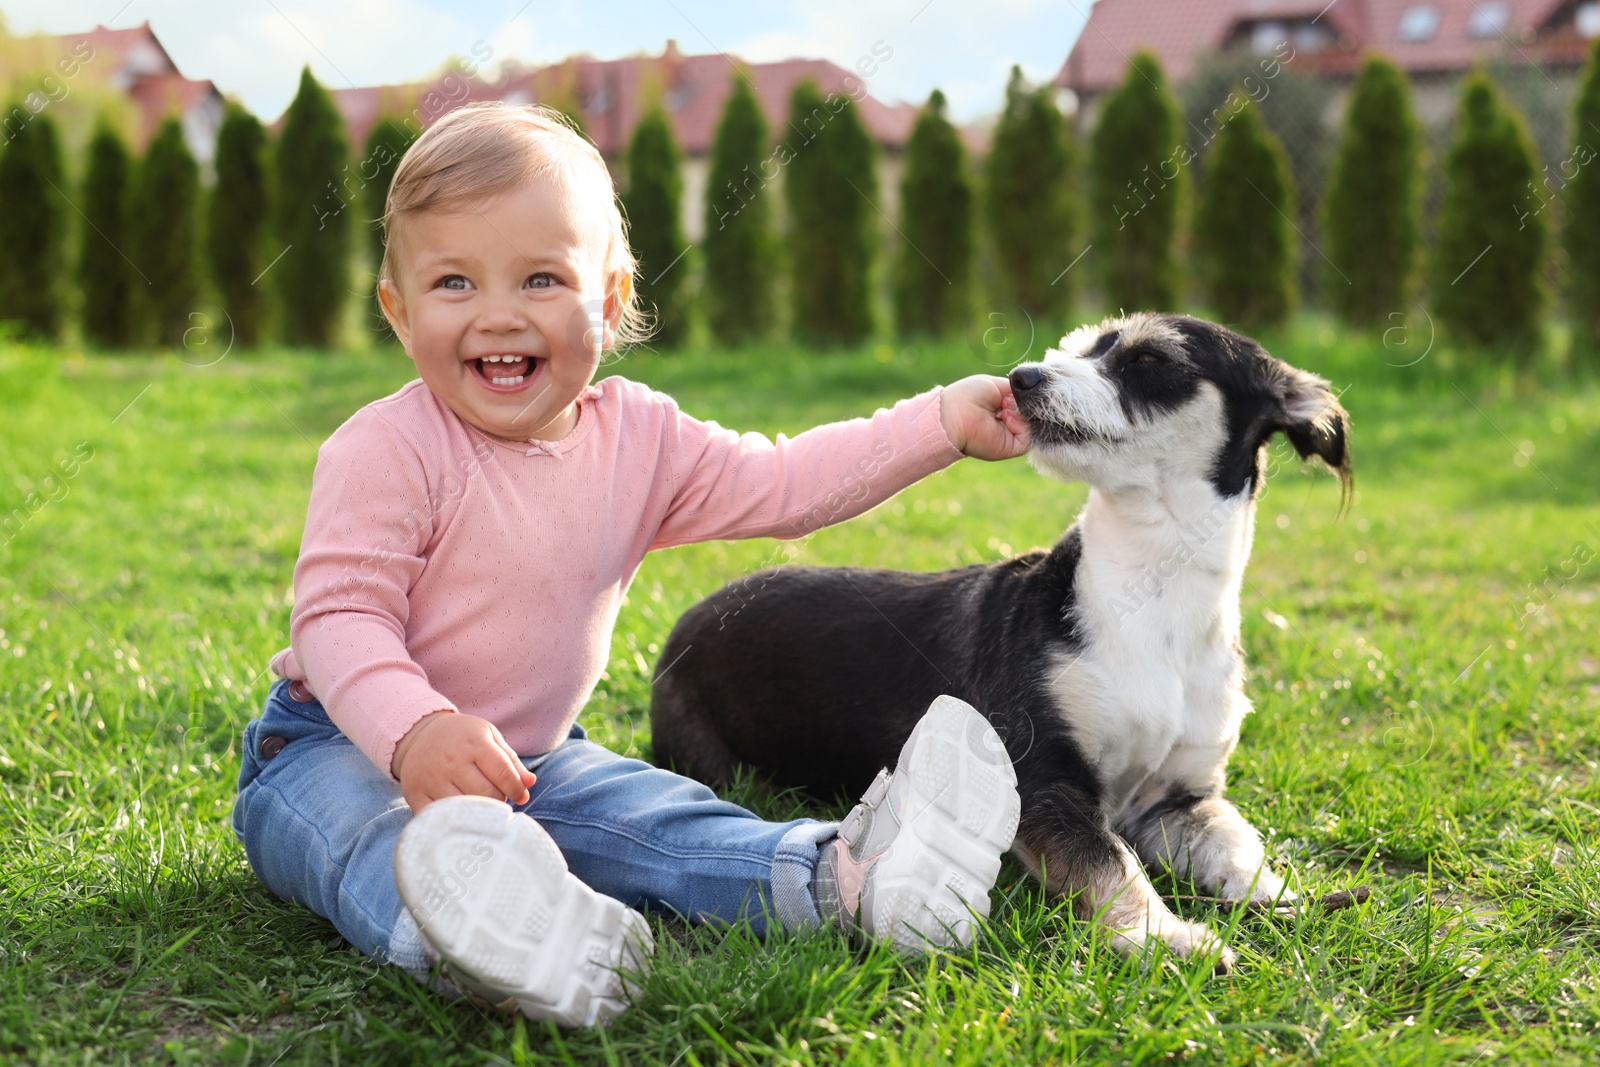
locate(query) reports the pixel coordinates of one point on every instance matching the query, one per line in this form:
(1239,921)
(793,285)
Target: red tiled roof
(134,61)
(1180,31)
(613,94)
(118,44)
(166,94)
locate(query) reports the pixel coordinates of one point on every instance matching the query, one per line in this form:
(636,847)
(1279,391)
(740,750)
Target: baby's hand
(458,754)
(981,419)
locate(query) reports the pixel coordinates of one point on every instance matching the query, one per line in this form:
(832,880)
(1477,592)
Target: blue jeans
(319,823)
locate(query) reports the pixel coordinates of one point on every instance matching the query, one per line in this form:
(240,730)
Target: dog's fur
(1111,664)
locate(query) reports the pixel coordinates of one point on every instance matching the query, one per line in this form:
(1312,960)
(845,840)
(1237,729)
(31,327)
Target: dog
(1110,665)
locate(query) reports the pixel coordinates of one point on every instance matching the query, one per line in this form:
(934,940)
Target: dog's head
(1147,399)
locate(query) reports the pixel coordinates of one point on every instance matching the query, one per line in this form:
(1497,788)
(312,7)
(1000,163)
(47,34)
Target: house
(133,62)
(1433,41)
(611,95)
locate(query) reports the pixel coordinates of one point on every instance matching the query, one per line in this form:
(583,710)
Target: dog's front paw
(1258,891)
(1182,938)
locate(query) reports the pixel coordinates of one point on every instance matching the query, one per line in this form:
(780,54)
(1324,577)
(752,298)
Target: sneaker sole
(959,817)
(491,892)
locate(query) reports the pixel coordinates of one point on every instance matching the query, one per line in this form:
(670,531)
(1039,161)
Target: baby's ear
(618,295)
(394,309)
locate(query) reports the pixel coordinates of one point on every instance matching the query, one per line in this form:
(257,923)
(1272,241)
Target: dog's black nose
(1026,377)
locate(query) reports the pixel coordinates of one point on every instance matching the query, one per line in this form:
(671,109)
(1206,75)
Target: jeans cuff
(406,949)
(792,868)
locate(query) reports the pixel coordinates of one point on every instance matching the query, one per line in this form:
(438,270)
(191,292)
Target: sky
(254,49)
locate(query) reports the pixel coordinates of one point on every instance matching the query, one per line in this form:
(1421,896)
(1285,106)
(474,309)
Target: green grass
(1418,727)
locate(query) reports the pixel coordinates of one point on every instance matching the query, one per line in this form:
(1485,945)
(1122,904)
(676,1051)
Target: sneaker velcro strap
(857,821)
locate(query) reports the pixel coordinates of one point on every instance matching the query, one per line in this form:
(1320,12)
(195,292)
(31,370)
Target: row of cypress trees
(1485,275)
(830,245)
(151,239)
(286,210)
(136,228)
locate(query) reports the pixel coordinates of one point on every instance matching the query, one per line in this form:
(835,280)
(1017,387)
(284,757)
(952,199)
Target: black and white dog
(1111,664)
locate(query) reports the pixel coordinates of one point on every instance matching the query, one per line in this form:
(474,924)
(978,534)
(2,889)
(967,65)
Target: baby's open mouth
(504,370)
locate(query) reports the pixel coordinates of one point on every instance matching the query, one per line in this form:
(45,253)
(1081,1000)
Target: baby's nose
(503,316)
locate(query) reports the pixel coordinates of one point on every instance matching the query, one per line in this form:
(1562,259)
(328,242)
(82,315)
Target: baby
(418,776)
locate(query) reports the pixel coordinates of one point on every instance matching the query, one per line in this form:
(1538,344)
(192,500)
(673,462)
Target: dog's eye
(1145,356)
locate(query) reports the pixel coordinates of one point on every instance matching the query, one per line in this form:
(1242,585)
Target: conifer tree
(739,246)
(1138,189)
(386,143)
(1493,237)
(312,210)
(31,224)
(1029,203)
(933,272)
(830,187)
(653,204)
(1582,226)
(1372,214)
(104,271)
(1242,230)
(236,223)
(163,219)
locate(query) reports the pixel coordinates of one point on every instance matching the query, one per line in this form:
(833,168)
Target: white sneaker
(915,860)
(494,899)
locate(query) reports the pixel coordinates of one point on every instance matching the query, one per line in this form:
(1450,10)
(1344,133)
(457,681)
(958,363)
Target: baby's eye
(540,281)
(455,282)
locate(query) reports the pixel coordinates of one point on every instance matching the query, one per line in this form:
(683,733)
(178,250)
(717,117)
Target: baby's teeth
(508,381)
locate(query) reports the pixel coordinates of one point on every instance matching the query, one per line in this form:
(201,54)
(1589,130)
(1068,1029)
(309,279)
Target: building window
(677,99)
(1266,36)
(1306,36)
(1419,23)
(1488,20)
(1311,37)
(1587,19)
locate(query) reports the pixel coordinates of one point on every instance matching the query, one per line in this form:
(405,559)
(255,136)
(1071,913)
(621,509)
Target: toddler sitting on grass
(417,775)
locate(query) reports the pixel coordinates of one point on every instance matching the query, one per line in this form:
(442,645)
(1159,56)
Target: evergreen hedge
(653,204)
(386,143)
(1373,212)
(1138,187)
(1487,285)
(1243,235)
(830,189)
(1582,228)
(934,268)
(31,224)
(312,209)
(162,228)
(1029,205)
(105,274)
(741,256)
(236,223)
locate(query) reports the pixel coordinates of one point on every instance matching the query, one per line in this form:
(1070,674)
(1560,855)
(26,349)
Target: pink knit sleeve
(729,485)
(367,525)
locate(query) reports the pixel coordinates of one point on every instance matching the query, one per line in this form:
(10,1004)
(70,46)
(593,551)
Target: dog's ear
(1316,424)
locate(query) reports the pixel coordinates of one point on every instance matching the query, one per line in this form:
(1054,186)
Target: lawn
(1424,672)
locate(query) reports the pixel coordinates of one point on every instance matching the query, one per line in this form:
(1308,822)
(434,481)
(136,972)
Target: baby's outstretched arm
(980,417)
(457,754)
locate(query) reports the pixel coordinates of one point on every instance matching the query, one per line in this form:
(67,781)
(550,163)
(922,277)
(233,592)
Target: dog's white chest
(1157,685)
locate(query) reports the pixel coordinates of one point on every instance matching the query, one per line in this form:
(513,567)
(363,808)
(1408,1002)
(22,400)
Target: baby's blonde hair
(482,150)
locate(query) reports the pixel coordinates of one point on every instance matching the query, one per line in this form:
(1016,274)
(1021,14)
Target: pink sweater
(444,569)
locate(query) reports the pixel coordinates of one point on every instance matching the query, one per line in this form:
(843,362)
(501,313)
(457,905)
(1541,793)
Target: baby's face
(502,305)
